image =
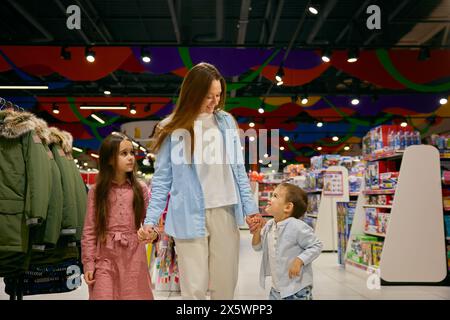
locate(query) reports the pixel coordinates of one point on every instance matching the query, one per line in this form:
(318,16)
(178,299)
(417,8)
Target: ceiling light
(260,161)
(280,74)
(261,110)
(319,148)
(335,138)
(66,55)
(103,107)
(279,83)
(355,101)
(145,56)
(266,155)
(313,10)
(346,148)
(305,100)
(90,55)
(284,161)
(251,124)
(252,138)
(133,109)
(320,124)
(94,155)
(98,118)
(443,101)
(403,124)
(353,55)
(107,92)
(24,87)
(55,109)
(326,55)
(77,149)
(281,148)
(286,138)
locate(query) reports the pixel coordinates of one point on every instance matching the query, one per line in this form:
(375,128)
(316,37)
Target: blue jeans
(304,294)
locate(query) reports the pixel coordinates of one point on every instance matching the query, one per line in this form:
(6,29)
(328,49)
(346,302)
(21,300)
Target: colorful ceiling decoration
(417,87)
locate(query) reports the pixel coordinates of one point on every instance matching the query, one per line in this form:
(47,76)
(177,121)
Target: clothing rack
(5,104)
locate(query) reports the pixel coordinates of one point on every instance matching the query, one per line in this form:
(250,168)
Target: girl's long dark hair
(109,150)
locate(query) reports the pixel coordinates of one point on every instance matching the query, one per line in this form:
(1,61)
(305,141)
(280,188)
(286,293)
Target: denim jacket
(186,209)
(295,239)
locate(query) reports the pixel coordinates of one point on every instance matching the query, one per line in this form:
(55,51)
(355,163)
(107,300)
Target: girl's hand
(89,277)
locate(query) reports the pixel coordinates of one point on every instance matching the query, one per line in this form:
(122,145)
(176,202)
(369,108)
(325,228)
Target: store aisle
(331,282)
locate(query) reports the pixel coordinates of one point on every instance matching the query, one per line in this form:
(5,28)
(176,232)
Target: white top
(272,240)
(215,175)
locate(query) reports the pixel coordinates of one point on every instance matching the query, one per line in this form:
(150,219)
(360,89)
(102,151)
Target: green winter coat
(25,179)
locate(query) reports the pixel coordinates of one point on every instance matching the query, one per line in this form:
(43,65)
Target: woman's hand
(255,221)
(147,234)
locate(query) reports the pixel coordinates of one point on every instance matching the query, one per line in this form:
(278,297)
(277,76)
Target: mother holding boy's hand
(209,196)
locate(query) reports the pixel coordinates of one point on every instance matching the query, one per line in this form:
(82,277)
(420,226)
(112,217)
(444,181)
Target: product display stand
(326,225)
(414,244)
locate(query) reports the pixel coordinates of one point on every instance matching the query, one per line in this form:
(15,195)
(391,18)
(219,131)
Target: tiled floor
(331,282)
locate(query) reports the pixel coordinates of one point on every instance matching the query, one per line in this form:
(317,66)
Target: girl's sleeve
(147,196)
(89,237)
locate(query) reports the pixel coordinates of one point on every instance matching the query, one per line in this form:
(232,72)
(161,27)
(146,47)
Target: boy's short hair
(298,197)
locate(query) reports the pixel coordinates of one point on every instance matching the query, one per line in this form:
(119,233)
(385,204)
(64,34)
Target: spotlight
(279,83)
(55,109)
(443,101)
(319,148)
(313,10)
(66,55)
(403,124)
(133,109)
(281,148)
(251,124)
(355,101)
(266,155)
(305,99)
(326,55)
(145,56)
(107,92)
(260,161)
(353,55)
(284,161)
(346,148)
(286,138)
(261,108)
(335,138)
(424,54)
(320,124)
(77,149)
(96,117)
(89,54)
(280,74)
(252,138)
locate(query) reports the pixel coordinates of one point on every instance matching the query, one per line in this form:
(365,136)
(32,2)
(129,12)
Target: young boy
(289,245)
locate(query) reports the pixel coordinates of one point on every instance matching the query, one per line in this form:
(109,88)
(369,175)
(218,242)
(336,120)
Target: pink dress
(120,264)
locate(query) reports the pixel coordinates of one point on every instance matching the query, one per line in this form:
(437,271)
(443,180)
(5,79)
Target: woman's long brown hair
(194,89)
(109,151)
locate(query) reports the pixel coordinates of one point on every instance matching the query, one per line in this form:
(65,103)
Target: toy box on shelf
(345,213)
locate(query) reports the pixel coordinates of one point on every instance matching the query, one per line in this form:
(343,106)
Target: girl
(114,261)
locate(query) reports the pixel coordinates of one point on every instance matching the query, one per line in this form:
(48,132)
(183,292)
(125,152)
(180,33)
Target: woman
(209,196)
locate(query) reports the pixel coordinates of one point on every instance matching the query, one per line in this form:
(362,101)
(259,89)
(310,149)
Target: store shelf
(313,190)
(353,194)
(445,155)
(448,238)
(358,265)
(312,215)
(377,206)
(384,155)
(446,208)
(381,191)
(376,234)
(264,199)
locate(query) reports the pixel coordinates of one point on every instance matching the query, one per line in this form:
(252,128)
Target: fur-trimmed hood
(63,138)
(14,124)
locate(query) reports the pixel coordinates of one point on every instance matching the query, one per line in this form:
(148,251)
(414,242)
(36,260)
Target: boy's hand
(296,268)
(89,277)
(255,222)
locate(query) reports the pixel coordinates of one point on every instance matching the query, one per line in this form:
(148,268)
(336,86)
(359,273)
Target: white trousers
(213,261)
